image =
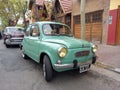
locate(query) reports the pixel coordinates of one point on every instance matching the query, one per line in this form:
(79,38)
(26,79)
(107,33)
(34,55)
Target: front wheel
(7,46)
(47,69)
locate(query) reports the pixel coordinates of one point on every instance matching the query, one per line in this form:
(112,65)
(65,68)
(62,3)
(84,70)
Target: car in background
(53,45)
(13,36)
(0,34)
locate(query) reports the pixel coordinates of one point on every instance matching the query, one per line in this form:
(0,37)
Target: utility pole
(83,28)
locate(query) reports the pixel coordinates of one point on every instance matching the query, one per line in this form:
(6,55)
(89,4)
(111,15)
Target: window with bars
(92,17)
(97,16)
(77,19)
(88,18)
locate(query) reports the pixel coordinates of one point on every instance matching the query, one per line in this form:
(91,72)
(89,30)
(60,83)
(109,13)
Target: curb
(108,67)
(115,77)
(117,70)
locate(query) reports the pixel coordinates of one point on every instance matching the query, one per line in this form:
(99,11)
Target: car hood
(69,42)
(17,34)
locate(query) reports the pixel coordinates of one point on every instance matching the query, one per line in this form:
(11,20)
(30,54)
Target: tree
(11,11)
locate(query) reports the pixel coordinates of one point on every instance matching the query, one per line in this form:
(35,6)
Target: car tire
(47,69)
(7,46)
(77,70)
(24,55)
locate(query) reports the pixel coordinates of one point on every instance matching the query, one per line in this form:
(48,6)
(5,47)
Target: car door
(34,42)
(26,40)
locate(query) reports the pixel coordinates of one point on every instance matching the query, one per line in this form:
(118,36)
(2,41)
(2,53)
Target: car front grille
(16,40)
(82,53)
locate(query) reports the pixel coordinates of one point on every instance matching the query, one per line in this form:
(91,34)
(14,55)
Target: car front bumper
(71,65)
(13,41)
(75,64)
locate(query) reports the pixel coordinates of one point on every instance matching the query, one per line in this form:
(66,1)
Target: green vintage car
(53,45)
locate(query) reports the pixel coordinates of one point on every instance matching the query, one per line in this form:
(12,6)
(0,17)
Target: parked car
(53,45)
(13,36)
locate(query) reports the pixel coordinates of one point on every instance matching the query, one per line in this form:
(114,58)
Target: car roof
(49,22)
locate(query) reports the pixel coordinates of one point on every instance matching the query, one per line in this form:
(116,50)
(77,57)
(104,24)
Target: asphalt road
(19,74)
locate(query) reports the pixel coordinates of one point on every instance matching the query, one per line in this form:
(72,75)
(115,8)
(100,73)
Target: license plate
(84,68)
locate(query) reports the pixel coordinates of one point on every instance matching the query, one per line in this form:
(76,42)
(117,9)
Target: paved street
(19,74)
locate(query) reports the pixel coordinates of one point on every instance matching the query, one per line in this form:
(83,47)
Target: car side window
(34,31)
(5,31)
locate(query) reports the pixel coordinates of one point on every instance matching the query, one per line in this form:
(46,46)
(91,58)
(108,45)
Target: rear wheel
(47,69)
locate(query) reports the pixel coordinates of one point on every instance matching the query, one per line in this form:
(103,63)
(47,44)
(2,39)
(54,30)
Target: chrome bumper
(71,65)
(13,42)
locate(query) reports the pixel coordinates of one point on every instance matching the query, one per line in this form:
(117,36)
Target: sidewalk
(108,57)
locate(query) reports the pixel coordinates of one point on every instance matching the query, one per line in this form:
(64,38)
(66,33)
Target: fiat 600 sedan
(53,45)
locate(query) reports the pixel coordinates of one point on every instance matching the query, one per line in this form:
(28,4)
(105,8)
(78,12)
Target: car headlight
(8,36)
(62,52)
(94,47)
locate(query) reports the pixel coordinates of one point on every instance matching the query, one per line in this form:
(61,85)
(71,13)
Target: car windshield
(17,30)
(56,29)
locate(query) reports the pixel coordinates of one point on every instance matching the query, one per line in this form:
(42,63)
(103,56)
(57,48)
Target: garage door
(93,26)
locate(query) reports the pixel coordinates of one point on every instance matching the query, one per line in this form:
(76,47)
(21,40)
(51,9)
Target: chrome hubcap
(44,73)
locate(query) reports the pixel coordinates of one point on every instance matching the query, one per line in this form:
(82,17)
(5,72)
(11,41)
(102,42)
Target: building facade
(97,12)
(62,11)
